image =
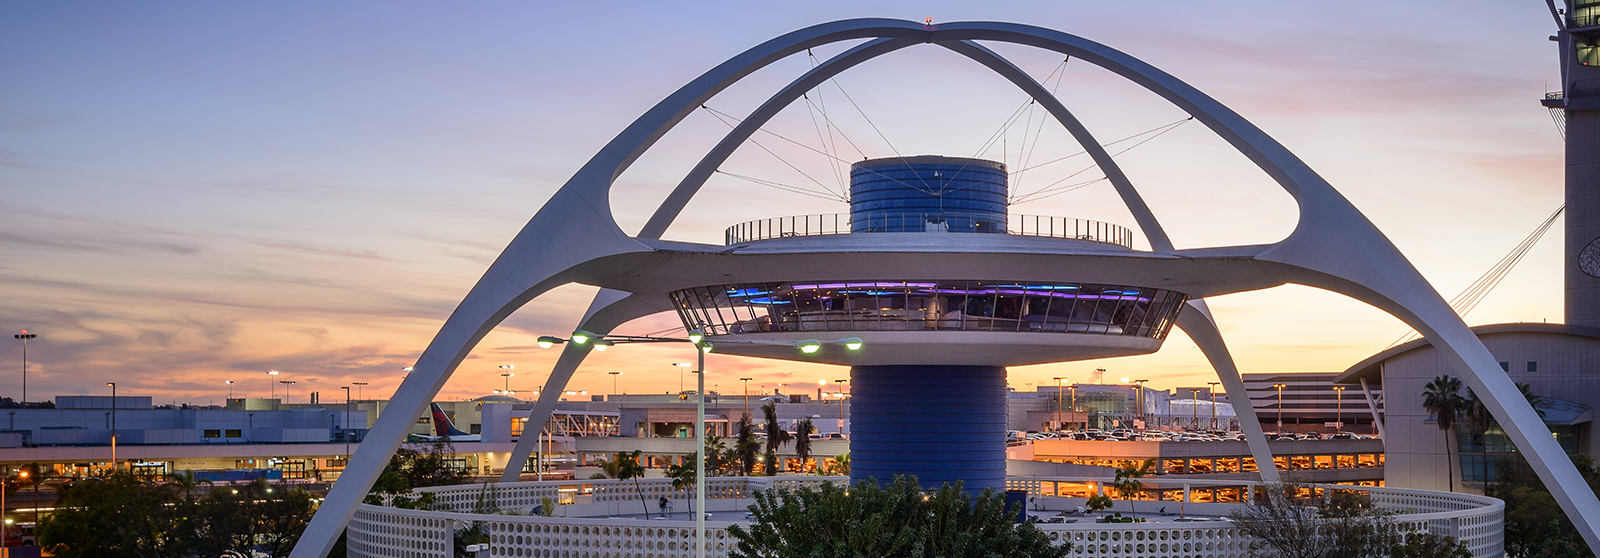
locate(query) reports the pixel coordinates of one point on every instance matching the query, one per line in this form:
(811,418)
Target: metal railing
(942,222)
(379,531)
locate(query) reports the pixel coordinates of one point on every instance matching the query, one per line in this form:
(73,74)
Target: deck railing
(941,222)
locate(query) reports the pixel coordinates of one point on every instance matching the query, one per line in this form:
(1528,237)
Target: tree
(1429,545)
(746,446)
(833,521)
(777,437)
(720,461)
(802,440)
(117,516)
(840,465)
(1534,522)
(1127,483)
(416,467)
(1442,397)
(628,467)
(683,478)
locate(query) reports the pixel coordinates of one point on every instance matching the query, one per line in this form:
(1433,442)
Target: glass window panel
(1323,461)
(1346,462)
(1230,495)
(1301,462)
(1367,460)
(1247,465)
(1228,465)
(1281,462)
(1170,466)
(1199,466)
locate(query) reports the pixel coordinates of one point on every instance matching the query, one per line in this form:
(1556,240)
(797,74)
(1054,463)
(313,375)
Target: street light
(1280,404)
(230,388)
(286,384)
(1194,407)
(358,388)
(1338,423)
(1058,401)
(113,386)
(841,408)
(272,389)
(747,394)
(1142,415)
(24,337)
(346,422)
(1212,388)
(507,375)
(614,374)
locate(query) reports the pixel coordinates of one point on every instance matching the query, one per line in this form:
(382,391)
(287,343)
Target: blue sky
(192,192)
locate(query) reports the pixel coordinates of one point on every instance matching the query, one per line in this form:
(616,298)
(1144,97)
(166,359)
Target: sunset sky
(192,192)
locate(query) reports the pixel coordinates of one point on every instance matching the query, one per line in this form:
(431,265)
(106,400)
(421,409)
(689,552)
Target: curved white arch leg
(609,310)
(1196,322)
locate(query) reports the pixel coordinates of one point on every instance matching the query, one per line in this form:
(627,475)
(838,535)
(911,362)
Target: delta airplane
(446,431)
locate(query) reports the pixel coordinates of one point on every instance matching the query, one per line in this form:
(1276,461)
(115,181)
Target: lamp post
(113,386)
(358,388)
(24,337)
(230,388)
(286,384)
(507,375)
(272,390)
(1338,422)
(1143,416)
(1280,404)
(1212,389)
(1194,407)
(703,346)
(346,422)
(614,374)
(1058,402)
(841,408)
(747,394)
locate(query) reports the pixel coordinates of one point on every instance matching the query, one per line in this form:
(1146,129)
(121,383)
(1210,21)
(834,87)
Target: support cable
(830,193)
(1053,190)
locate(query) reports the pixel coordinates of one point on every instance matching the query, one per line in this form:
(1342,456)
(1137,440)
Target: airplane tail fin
(441,423)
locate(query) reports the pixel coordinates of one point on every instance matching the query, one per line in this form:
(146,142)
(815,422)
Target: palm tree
(776,436)
(802,440)
(1127,483)
(745,447)
(1442,397)
(628,467)
(683,478)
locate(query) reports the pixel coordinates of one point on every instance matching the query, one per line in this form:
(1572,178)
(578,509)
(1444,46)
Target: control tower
(929,388)
(1577,104)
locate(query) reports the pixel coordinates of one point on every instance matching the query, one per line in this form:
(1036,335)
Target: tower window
(1533,366)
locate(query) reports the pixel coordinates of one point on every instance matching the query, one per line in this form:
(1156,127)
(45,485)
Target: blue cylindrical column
(940,423)
(928,193)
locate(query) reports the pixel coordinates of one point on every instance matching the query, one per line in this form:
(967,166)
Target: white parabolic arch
(574,238)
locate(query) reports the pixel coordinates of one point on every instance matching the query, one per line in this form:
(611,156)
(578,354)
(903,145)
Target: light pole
(1212,389)
(230,389)
(358,388)
(507,375)
(24,337)
(113,386)
(841,408)
(1143,416)
(1280,404)
(346,422)
(614,374)
(747,394)
(1058,402)
(681,367)
(272,390)
(1338,423)
(1194,407)
(286,384)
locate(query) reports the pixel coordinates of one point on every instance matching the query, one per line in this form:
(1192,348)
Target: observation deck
(827,224)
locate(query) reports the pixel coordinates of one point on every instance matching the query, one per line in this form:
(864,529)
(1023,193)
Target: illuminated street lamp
(272,389)
(746,394)
(1212,388)
(507,376)
(1280,404)
(1338,423)
(230,388)
(286,384)
(841,408)
(614,374)
(1058,401)
(25,337)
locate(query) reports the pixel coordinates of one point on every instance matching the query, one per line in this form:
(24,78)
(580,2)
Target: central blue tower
(928,194)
